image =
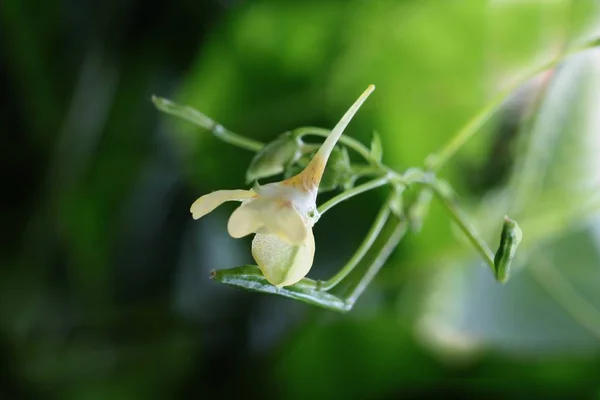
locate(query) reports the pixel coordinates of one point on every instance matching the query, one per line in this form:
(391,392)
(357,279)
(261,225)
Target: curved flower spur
(281,214)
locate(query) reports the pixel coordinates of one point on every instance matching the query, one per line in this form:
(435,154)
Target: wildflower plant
(281,214)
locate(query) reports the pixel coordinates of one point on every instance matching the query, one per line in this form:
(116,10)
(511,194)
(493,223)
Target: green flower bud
(509,241)
(274,157)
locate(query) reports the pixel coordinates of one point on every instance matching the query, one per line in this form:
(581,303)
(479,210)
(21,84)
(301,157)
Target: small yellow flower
(281,214)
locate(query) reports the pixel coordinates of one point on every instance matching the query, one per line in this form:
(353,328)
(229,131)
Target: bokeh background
(104,287)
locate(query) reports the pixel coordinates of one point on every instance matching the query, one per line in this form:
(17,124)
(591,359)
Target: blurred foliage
(104,288)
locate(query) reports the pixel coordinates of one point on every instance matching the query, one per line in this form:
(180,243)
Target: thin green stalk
(344,139)
(447,197)
(364,247)
(365,170)
(419,209)
(526,176)
(389,246)
(307,148)
(237,140)
(365,187)
(435,161)
(204,122)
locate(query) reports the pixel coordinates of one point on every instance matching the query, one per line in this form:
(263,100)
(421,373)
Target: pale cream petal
(268,216)
(286,223)
(279,217)
(302,200)
(244,221)
(209,202)
(282,263)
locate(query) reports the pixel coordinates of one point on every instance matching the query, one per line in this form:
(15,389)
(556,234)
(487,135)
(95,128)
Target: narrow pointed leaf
(197,118)
(250,278)
(185,112)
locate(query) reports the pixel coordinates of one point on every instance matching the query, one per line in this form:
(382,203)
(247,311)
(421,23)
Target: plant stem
(237,140)
(204,122)
(364,247)
(435,161)
(344,139)
(389,246)
(419,209)
(370,185)
(445,194)
(365,170)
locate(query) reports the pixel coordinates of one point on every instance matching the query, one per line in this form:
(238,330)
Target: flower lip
(209,202)
(267,215)
(281,263)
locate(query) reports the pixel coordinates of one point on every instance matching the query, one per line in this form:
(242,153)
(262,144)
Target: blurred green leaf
(549,306)
(522,317)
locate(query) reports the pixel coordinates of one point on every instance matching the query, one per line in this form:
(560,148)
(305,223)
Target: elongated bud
(274,157)
(509,241)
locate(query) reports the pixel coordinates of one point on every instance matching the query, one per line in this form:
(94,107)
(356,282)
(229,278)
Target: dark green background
(104,289)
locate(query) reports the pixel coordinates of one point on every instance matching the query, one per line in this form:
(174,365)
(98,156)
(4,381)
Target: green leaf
(250,278)
(376,147)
